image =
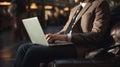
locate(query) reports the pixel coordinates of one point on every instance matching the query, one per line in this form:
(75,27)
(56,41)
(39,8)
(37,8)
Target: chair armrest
(84,63)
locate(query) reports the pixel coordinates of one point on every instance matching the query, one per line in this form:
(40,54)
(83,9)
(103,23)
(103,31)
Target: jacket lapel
(83,11)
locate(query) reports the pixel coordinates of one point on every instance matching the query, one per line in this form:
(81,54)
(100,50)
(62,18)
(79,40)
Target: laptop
(35,31)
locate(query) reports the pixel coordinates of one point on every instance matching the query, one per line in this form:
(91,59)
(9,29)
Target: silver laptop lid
(35,31)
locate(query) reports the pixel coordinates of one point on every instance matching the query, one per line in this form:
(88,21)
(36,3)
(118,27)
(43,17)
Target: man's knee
(24,47)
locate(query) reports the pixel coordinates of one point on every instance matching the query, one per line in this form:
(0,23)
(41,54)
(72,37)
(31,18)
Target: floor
(8,46)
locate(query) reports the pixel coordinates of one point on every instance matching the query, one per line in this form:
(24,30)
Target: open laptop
(35,31)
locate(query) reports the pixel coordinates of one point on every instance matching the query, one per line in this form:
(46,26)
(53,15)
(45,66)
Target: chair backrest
(115,22)
(115,15)
(115,32)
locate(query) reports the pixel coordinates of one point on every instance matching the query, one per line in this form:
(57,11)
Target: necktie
(74,18)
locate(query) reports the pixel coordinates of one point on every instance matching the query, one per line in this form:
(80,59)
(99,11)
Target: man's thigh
(44,53)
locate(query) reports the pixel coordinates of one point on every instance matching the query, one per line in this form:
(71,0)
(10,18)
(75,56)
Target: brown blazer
(91,25)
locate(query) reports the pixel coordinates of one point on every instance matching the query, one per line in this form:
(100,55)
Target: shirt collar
(83,4)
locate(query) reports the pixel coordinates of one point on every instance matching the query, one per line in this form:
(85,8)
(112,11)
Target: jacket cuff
(69,37)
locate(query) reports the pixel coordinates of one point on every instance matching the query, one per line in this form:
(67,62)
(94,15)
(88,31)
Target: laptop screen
(35,31)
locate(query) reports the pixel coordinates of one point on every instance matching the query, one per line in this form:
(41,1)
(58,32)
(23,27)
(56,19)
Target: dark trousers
(29,55)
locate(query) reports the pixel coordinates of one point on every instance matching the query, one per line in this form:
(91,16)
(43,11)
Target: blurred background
(52,15)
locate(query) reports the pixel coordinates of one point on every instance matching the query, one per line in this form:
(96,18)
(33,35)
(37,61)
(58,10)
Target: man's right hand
(53,37)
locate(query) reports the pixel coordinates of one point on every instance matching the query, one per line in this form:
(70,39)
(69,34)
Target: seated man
(88,23)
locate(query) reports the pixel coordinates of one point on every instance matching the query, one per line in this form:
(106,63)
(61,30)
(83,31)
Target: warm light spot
(76,1)
(33,6)
(48,7)
(66,9)
(5,3)
(5,55)
(61,12)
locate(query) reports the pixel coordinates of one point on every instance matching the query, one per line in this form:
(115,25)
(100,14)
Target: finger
(47,36)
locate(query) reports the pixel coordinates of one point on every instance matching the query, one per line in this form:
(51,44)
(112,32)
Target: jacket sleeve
(100,25)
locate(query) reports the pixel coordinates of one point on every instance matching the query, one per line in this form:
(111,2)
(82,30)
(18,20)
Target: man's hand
(53,37)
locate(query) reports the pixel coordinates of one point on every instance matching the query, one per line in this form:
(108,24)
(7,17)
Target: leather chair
(111,62)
